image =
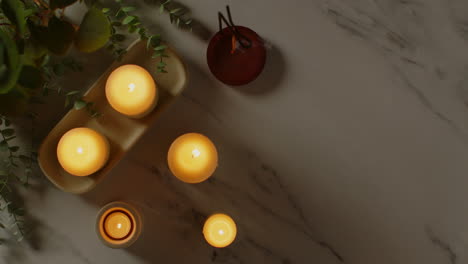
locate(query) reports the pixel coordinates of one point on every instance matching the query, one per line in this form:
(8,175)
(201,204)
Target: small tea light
(192,158)
(220,230)
(118,225)
(131,90)
(82,151)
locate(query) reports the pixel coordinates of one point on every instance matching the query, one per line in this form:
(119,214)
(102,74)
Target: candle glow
(192,158)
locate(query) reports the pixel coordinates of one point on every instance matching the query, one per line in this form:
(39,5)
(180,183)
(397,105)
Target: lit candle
(118,225)
(131,90)
(220,230)
(82,151)
(192,158)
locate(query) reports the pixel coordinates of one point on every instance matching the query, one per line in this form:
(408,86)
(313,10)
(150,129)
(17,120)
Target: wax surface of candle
(82,151)
(131,90)
(220,230)
(117,225)
(192,158)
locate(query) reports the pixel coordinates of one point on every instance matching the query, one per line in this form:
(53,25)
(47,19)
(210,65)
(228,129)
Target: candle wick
(79,150)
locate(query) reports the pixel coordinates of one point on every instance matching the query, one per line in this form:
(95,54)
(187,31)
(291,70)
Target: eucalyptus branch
(124,17)
(176,14)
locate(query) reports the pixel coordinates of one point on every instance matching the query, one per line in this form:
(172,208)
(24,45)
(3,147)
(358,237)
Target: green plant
(35,38)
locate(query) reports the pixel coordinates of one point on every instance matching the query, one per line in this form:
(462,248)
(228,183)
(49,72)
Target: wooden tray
(121,131)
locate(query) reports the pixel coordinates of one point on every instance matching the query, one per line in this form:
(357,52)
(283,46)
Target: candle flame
(79,150)
(131,87)
(195,153)
(221,232)
(119,225)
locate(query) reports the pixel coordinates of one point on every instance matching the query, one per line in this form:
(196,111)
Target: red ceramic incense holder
(236,55)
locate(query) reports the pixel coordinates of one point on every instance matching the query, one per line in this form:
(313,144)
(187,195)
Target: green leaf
(14,148)
(132,29)
(79,104)
(14,64)
(148,42)
(24,159)
(174,11)
(105,10)
(128,8)
(10,138)
(161,9)
(3,146)
(161,64)
(8,132)
(162,47)
(128,19)
(72,93)
(94,32)
(61,3)
(15,11)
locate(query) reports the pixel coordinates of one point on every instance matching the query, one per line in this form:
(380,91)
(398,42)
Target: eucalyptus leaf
(94,32)
(73,93)
(79,104)
(8,132)
(25,159)
(128,20)
(174,11)
(162,47)
(128,8)
(3,146)
(14,148)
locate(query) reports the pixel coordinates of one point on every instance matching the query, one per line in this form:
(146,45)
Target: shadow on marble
(272,76)
(197,27)
(268,217)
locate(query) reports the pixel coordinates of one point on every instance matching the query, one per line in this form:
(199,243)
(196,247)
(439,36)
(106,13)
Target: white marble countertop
(351,147)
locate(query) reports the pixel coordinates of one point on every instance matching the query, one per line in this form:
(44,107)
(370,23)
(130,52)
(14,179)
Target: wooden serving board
(121,131)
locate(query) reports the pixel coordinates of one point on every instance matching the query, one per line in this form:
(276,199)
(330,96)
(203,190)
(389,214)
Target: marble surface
(351,147)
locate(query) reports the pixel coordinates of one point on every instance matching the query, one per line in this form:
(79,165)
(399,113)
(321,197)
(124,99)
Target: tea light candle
(82,151)
(192,158)
(118,225)
(131,90)
(220,230)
